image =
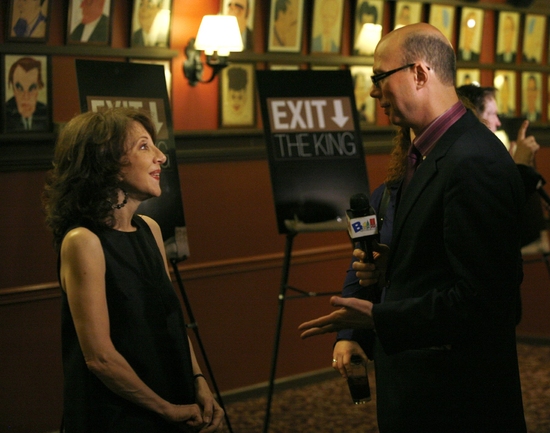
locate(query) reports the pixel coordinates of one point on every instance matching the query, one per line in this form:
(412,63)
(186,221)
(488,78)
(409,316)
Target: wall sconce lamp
(368,38)
(218,35)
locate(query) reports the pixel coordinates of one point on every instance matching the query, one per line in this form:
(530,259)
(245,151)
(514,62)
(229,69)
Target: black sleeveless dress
(147,328)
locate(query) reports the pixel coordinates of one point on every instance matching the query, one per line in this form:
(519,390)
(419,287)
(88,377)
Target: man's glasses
(376,78)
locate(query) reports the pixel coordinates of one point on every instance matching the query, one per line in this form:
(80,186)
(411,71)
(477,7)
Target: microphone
(363,229)
(362,224)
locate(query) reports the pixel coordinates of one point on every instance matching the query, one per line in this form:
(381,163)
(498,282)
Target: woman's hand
(186,414)
(342,353)
(212,413)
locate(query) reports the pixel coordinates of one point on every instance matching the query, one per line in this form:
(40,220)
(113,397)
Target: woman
(128,364)
(350,342)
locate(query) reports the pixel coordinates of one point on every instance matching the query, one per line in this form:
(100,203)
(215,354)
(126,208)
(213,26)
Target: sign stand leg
(193,325)
(282,297)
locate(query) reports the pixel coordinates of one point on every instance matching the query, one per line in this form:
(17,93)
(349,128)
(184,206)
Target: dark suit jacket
(446,356)
(14,122)
(100,33)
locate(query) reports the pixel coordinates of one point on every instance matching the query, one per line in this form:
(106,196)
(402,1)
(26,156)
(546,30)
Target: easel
(193,325)
(294,227)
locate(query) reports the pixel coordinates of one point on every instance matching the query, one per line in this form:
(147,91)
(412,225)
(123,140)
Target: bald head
(421,41)
(416,69)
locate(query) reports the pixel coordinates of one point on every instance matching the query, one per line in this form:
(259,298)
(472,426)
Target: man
(94,26)
(445,350)
(241,9)
(23,110)
(31,22)
(154,24)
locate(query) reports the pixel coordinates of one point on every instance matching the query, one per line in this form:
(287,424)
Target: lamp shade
(219,33)
(368,38)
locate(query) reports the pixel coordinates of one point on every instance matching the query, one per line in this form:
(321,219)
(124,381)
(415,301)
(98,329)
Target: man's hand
(353,313)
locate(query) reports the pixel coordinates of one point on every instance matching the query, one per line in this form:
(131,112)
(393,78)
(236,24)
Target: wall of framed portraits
(232,282)
(505,46)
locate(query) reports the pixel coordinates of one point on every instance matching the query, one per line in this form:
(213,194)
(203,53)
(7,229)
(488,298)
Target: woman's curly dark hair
(398,156)
(84,182)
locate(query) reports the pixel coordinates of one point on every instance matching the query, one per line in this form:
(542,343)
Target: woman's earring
(123,203)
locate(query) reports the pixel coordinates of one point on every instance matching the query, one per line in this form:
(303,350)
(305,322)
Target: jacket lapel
(426,171)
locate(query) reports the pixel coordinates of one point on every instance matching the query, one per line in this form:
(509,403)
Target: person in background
(445,346)
(94,26)
(383,199)
(523,151)
(127,361)
(24,112)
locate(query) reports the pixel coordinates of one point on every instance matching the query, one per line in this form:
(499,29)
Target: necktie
(76,35)
(414,158)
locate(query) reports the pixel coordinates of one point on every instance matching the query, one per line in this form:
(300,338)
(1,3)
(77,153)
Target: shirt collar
(433,132)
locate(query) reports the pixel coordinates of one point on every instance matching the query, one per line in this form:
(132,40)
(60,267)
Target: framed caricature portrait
(237,95)
(366,12)
(443,18)
(505,83)
(467,76)
(28,20)
(407,13)
(89,22)
(326,28)
(469,42)
(531,95)
(533,38)
(366,106)
(285,26)
(151,23)
(244,11)
(26,81)
(507,37)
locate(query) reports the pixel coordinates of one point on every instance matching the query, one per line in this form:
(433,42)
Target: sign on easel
(111,84)
(314,147)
